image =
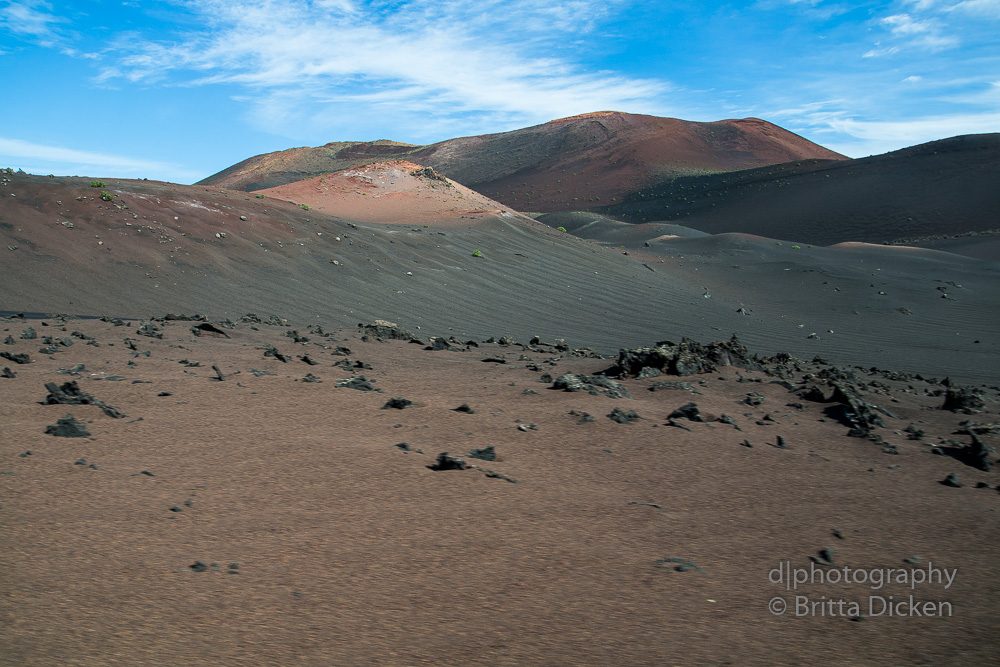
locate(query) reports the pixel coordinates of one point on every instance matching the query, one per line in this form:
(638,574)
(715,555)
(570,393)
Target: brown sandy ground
(325,543)
(158,247)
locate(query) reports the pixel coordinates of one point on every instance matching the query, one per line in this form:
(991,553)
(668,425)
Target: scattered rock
(485,454)
(825,557)
(445,462)
(436,344)
(273,352)
(685,358)
(754,399)
(679,565)
(218,373)
(397,404)
(679,386)
(726,419)
(677,424)
(952,481)
(71,394)
(623,416)
(854,411)
(67,427)
(592,384)
(311,378)
(464,407)
(496,475)
(18,358)
(975,454)
(7,373)
(149,329)
(382,329)
(206,329)
(959,399)
(687,411)
(585,418)
(360,382)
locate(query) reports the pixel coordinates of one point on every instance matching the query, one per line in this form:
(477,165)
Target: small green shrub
(477,254)
(106,196)
(561,229)
(260,196)
(304,207)
(98,184)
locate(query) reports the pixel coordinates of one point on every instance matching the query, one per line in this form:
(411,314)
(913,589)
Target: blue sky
(177,90)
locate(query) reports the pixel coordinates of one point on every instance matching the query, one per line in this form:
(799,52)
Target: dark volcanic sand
(159,248)
(323,542)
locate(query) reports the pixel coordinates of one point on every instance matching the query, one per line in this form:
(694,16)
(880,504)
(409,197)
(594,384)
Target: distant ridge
(565,164)
(942,188)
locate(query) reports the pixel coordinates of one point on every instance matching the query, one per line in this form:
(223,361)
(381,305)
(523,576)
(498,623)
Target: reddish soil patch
(394,191)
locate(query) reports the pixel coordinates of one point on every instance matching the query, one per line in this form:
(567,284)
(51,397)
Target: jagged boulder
(688,357)
(592,384)
(384,329)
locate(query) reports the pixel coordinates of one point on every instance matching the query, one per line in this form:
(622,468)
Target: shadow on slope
(942,188)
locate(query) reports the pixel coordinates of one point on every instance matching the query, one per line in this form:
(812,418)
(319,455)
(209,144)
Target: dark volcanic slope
(158,248)
(945,187)
(562,165)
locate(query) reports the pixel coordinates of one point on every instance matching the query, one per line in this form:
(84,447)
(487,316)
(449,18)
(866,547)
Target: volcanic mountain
(565,164)
(922,194)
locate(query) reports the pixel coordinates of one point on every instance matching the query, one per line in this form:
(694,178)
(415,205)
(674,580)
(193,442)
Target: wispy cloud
(926,34)
(445,58)
(986,8)
(41,158)
(32,19)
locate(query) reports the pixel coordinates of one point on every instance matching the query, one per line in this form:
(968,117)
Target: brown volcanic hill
(939,189)
(560,165)
(295,164)
(158,248)
(388,191)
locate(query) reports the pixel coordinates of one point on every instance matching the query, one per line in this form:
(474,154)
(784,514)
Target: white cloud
(299,60)
(30,19)
(983,8)
(913,79)
(926,34)
(860,138)
(40,158)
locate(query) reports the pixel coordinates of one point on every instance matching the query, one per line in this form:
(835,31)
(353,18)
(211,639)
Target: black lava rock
(445,462)
(67,427)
